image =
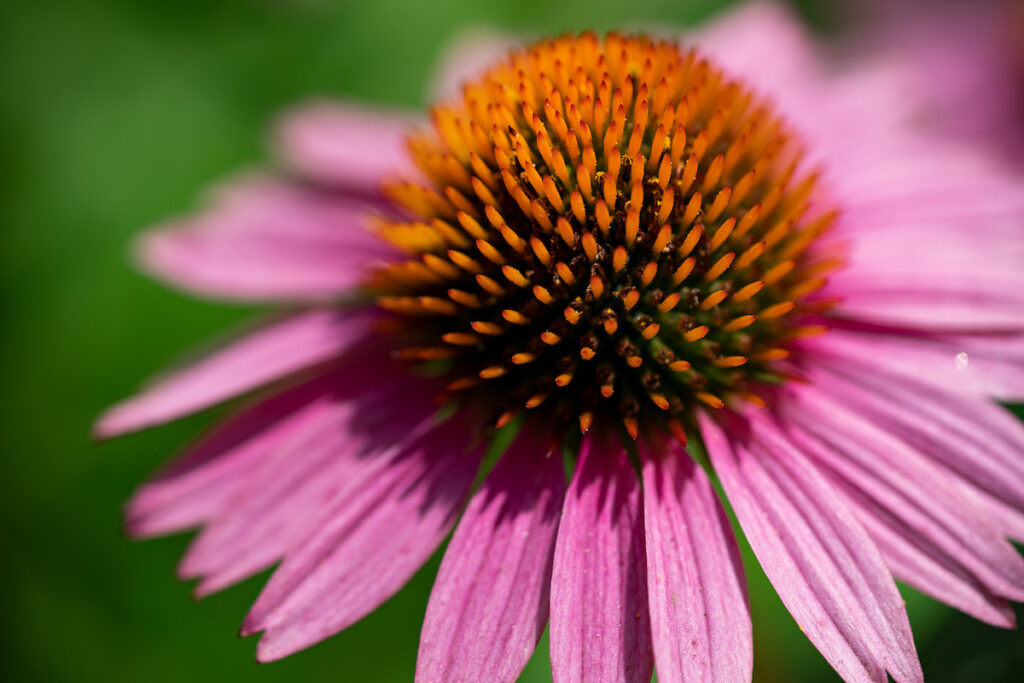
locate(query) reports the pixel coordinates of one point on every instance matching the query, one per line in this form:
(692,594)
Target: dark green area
(115,114)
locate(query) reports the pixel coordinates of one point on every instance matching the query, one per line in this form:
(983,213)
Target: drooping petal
(695,584)
(280,502)
(600,627)
(489,604)
(346,146)
(915,510)
(368,545)
(199,483)
(827,571)
(974,439)
(268,354)
(933,576)
(267,240)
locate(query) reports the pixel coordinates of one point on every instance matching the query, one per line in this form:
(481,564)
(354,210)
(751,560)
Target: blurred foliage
(115,114)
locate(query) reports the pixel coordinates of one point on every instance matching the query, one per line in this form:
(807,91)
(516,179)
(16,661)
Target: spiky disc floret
(606,225)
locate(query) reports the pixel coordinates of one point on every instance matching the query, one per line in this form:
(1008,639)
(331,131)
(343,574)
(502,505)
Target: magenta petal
(915,511)
(695,583)
(600,628)
(345,145)
(266,240)
(368,545)
(280,503)
(489,604)
(825,568)
(268,354)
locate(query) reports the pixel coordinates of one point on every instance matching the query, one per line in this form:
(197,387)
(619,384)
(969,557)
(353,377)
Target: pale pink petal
(268,354)
(466,58)
(198,484)
(935,310)
(978,441)
(768,46)
(916,168)
(914,509)
(909,186)
(925,249)
(996,360)
(489,604)
(989,367)
(695,584)
(280,502)
(266,240)
(763,41)
(600,627)
(369,544)
(825,568)
(347,146)
(922,276)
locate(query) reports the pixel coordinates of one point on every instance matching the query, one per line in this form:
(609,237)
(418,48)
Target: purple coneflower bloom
(662,265)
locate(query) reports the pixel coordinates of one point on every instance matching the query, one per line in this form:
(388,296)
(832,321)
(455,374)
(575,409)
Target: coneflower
(658,266)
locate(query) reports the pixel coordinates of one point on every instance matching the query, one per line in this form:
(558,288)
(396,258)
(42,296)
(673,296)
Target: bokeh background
(115,114)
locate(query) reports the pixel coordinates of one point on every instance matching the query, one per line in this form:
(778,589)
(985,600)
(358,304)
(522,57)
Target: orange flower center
(606,226)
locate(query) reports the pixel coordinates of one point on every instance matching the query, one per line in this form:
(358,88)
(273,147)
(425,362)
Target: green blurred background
(116,114)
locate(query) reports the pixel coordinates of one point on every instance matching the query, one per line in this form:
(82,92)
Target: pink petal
(974,47)
(977,441)
(466,57)
(346,145)
(266,240)
(695,583)
(489,604)
(935,310)
(280,502)
(200,482)
(600,628)
(911,168)
(935,577)
(961,281)
(763,41)
(926,250)
(368,545)
(914,509)
(827,571)
(268,354)
(989,369)
(767,45)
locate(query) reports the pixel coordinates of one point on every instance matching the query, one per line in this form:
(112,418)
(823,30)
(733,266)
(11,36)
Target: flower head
(656,263)
(611,229)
